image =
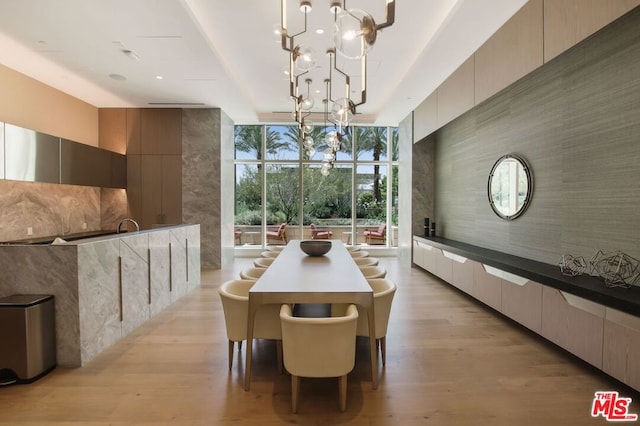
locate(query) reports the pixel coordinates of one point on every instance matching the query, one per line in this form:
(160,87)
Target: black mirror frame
(527,198)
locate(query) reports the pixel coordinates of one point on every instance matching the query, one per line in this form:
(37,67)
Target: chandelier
(354,34)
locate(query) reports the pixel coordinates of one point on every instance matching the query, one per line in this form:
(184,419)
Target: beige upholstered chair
(270,254)
(370,272)
(358,254)
(352,248)
(383,292)
(276,248)
(366,261)
(254,273)
(263,262)
(319,347)
(234,295)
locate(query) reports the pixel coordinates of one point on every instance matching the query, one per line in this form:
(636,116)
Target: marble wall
(53,209)
(201,203)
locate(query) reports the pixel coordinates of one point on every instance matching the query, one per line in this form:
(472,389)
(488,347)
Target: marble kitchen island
(105,286)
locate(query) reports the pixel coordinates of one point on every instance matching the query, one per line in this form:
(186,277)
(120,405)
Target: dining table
(294,277)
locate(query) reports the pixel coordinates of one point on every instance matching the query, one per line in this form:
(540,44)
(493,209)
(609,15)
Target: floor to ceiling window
(280,191)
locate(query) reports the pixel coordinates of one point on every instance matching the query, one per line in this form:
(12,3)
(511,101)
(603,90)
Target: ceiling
(220,53)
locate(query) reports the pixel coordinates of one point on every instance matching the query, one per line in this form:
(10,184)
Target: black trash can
(27,337)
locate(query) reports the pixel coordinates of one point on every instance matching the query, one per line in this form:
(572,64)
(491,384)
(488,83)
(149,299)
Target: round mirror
(510,186)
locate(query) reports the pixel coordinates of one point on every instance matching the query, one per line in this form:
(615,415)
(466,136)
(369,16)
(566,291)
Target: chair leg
(342,382)
(383,349)
(240,346)
(279,355)
(295,390)
(230,354)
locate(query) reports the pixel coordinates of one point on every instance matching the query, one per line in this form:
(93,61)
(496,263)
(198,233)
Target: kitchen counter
(105,286)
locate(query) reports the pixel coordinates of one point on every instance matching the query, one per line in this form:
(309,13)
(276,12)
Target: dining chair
(359,254)
(263,262)
(253,273)
(276,248)
(383,291)
(319,347)
(270,254)
(352,248)
(366,261)
(371,272)
(234,295)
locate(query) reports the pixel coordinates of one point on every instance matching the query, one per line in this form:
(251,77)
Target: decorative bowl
(315,247)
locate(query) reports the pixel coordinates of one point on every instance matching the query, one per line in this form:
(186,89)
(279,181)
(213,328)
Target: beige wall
(536,34)
(28,103)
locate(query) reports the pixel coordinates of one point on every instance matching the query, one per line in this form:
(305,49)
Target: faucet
(123,221)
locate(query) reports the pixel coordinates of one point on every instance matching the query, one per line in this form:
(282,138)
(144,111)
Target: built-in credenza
(598,324)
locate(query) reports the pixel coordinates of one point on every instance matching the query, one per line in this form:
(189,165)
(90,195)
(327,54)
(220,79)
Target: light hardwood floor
(450,361)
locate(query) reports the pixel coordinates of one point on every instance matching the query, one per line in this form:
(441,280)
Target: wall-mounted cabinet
(32,156)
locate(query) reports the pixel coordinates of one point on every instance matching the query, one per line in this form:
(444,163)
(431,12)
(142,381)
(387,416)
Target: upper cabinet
(33,156)
(161,131)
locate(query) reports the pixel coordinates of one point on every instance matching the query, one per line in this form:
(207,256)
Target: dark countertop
(585,286)
(69,237)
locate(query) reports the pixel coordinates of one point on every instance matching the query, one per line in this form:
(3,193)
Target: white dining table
(295,277)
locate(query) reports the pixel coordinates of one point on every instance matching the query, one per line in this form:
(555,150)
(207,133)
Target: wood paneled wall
(577,122)
(536,34)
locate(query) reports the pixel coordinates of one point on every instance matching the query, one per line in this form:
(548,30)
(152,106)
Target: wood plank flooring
(450,361)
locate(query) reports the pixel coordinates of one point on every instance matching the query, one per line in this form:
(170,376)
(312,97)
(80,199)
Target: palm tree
(373,139)
(249,139)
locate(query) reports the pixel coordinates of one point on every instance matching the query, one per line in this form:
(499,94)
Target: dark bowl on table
(315,247)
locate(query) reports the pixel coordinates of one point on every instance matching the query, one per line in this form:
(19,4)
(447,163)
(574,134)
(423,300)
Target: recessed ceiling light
(159,77)
(117,77)
(319,31)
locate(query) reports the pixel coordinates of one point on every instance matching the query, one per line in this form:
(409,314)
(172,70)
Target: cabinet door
(574,323)
(171,202)
(522,301)
(461,272)
(443,265)
(621,347)
(486,287)
(98,297)
(178,253)
(193,256)
(134,281)
(418,257)
(151,190)
(429,257)
(159,268)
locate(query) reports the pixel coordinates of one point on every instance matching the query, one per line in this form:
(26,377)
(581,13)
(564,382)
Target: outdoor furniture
(237,234)
(378,235)
(318,234)
(279,234)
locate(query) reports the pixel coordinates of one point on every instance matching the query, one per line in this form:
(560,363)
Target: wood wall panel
(113,129)
(161,131)
(425,117)
(456,93)
(567,22)
(133,131)
(513,51)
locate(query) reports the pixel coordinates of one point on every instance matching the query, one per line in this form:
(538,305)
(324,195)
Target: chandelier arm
(391,15)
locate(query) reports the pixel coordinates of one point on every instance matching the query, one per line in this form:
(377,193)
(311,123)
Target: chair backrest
(382,229)
(263,262)
(234,295)
(281,229)
(383,291)
(319,347)
(252,273)
(270,254)
(359,254)
(371,272)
